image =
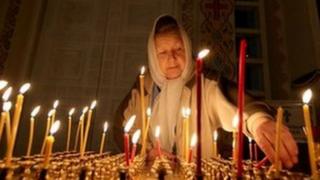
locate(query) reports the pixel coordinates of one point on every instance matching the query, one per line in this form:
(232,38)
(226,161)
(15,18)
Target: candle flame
(203,53)
(194,139)
(142,71)
(7,106)
(55,104)
(235,122)
(136,136)
(157,132)
(105,127)
(55,127)
(93,104)
(129,123)
(50,113)
(3,84)
(250,139)
(84,110)
(71,111)
(304,130)
(24,88)
(35,111)
(148,111)
(186,112)
(7,94)
(215,135)
(307,95)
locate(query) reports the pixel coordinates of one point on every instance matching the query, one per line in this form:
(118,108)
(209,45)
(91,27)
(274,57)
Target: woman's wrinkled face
(171,54)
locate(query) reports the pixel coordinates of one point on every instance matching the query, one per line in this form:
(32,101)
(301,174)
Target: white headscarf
(166,112)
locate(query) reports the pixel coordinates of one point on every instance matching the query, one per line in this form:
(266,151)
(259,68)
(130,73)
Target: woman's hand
(265,135)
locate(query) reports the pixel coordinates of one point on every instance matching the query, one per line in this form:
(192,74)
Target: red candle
(241,86)
(192,144)
(255,152)
(157,135)
(199,64)
(135,139)
(126,137)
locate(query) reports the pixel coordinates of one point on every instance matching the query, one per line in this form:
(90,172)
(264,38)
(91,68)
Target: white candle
(34,112)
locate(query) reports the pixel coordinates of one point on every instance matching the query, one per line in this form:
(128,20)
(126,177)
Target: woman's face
(171,54)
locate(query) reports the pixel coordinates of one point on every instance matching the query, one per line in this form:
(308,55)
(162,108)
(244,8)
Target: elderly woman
(170,85)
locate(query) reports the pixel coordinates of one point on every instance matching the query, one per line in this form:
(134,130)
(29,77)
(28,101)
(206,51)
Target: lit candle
(105,128)
(135,139)
(143,109)
(307,120)
(76,141)
(241,86)
(3,118)
(127,128)
(250,149)
(81,121)
(34,112)
(215,138)
(55,105)
(199,64)
(144,140)
(69,128)
(157,135)
(3,84)
(92,106)
(277,161)
(186,114)
(47,130)
(192,144)
(16,118)
(235,123)
(6,108)
(5,98)
(49,143)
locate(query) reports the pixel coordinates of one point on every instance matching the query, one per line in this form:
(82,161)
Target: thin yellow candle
(47,130)
(3,84)
(5,98)
(186,114)
(55,105)
(49,143)
(85,140)
(16,117)
(105,128)
(145,135)
(69,128)
(84,111)
(143,109)
(307,95)
(215,138)
(6,108)
(34,112)
(235,123)
(277,162)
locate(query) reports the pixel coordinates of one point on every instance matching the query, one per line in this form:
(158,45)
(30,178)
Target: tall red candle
(199,64)
(126,137)
(241,86)
(192,144)
(250,149)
